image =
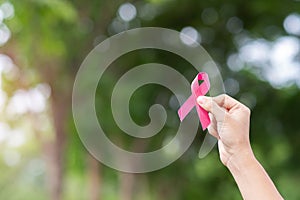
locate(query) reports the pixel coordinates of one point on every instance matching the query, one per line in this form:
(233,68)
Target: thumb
(205,102)
(208,104)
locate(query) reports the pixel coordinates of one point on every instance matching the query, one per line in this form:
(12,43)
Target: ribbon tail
(203,116)
(186,107)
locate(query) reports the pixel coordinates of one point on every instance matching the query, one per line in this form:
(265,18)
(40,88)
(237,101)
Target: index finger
(225,101)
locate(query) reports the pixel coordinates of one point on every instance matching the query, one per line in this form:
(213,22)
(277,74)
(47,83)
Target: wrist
(240,160)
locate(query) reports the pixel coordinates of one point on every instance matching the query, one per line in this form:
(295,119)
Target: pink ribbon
(197,90)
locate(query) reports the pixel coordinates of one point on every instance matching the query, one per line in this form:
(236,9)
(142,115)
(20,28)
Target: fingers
(211,106)
(230,104)
(225,101)
(212,128)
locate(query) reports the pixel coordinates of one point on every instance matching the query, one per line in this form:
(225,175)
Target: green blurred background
(255,43)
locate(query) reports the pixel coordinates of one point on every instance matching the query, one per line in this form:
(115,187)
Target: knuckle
(246,109)
(223,96)
(220,99)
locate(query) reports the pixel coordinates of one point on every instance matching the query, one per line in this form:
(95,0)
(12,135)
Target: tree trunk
(94,177)
(127,181)
(54,149)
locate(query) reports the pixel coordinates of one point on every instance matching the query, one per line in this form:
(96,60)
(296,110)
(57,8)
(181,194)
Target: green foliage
(59,33)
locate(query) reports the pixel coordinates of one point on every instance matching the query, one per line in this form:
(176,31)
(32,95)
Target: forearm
(253,181)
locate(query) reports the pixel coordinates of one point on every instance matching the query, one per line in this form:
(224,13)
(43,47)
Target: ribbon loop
(197,90)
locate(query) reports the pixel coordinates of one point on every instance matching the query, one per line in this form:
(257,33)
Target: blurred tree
(50,38)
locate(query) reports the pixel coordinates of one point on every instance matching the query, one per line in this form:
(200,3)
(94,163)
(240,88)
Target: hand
(230,122)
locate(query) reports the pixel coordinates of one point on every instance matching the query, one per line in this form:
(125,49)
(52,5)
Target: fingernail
(201,100)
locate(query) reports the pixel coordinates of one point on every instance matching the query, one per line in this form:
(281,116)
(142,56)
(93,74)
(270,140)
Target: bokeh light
(1,16)
(255,44)
(11,157)
(274,61)
(291,24)
(190,36)
(234,25)
(7,9)
(147,11)
(33,100)
(4,34)
(232,86)
(127,12)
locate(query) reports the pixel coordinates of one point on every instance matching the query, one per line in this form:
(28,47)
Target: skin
(230,122)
